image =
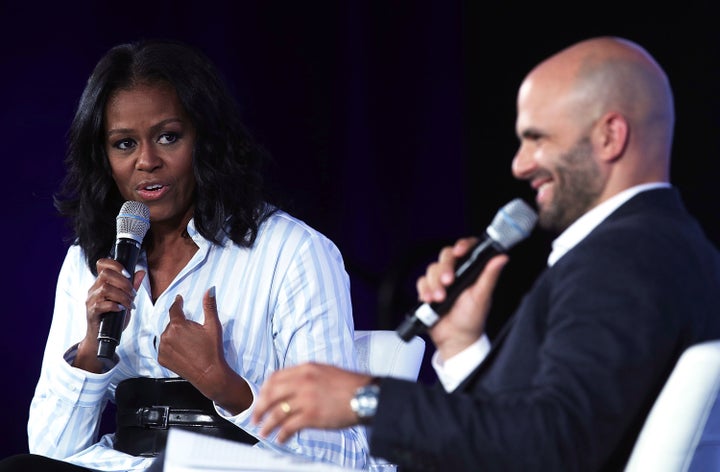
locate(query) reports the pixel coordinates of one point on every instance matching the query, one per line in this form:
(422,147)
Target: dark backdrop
(391,125)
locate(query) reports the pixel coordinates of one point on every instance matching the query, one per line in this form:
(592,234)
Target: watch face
(365,401)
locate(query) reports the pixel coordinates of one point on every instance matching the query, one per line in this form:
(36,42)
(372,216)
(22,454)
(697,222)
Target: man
(631,282)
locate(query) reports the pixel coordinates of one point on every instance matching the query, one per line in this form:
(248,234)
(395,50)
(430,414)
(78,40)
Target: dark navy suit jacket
(571,377)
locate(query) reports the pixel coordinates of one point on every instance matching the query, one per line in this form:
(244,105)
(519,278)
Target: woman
(227,288)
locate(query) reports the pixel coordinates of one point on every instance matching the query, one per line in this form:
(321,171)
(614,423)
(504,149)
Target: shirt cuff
(75,385)
(451,372)
(244,416)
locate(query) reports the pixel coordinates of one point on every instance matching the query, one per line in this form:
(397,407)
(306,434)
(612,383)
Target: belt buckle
(154,417)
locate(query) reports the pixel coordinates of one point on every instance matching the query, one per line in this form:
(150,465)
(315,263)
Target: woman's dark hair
(227,163)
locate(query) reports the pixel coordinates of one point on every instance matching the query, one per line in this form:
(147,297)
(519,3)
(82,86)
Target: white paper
(192,452)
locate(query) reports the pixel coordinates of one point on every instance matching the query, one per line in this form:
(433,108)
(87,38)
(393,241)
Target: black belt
(162,417)
(142,429)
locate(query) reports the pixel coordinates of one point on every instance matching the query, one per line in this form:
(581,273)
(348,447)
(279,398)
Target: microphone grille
(133,221)
(512,223)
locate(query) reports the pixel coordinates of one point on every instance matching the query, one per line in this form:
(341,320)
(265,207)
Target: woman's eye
(123,144)
(167,138)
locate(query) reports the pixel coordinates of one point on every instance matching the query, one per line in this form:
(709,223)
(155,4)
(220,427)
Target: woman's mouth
(152,191)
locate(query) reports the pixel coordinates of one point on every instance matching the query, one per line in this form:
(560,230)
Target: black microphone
(132,223)
(512,223)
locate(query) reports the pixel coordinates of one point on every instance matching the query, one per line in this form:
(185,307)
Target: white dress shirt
(282,302)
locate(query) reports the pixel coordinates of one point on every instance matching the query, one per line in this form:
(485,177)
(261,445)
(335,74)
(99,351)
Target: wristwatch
(365,402)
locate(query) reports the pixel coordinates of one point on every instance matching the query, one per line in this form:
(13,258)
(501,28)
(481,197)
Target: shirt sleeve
(453,371)
(67,404)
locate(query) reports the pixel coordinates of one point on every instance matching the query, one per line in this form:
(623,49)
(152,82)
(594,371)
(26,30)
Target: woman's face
(149,142)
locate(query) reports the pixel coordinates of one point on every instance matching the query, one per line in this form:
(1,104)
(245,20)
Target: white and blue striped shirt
(282,302)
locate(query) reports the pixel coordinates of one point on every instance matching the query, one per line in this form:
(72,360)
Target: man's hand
(307,396)
(465,322)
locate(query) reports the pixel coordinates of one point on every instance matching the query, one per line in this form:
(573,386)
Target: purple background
(391,124)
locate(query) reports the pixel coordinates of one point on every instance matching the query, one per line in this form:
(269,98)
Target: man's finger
(485,285)
(278,387)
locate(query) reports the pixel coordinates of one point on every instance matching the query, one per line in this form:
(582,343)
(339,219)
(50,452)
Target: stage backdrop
(391,125)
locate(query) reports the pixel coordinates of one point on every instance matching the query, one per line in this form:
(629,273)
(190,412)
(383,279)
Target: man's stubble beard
(577,188)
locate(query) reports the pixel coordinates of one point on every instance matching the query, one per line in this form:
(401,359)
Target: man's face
(556,156)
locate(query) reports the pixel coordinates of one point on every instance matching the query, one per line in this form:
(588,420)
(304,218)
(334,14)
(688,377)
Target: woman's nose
(148,159)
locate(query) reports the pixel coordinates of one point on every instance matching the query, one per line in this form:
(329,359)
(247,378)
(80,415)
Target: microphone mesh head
(512,223)
(133,221)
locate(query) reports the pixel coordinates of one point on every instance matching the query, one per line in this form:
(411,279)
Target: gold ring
(285,407)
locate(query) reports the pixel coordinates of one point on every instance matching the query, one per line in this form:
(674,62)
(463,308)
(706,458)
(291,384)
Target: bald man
(631,282)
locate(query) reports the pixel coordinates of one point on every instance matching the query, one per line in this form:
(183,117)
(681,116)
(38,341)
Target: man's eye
(123,144)
(167,138)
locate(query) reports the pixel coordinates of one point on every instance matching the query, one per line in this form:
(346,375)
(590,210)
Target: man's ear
(612,133)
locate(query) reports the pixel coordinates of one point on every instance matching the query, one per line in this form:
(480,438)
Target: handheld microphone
(132,223)
(512,223)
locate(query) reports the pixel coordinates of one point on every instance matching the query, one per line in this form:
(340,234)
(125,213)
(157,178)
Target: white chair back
(682,431)
(384,354)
